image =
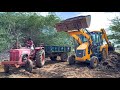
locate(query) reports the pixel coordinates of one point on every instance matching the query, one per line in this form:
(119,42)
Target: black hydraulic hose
(87,31)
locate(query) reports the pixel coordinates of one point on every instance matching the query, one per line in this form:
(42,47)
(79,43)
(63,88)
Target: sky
(98,19)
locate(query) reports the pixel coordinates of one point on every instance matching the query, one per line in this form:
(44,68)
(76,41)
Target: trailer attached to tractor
(34,58)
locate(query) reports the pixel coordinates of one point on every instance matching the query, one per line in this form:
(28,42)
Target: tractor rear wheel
(104,55)
(94,62)
(29,66)
(6,68)
(40,58)
(71,60)
(64,57)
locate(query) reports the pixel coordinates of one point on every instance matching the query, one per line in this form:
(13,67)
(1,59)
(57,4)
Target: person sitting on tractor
(30,44)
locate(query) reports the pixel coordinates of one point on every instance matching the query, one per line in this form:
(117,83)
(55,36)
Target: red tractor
(25,57)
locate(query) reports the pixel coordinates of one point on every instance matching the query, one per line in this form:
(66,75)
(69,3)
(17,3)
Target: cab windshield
(83,39)
(96,38)
(93,37)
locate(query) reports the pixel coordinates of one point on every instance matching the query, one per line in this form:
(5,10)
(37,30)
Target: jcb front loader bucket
(74,23)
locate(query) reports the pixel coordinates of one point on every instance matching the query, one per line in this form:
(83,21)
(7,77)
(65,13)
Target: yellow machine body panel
(83,46)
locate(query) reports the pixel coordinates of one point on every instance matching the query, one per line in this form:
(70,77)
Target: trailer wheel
(6,68)
(94,62)
(40,58)
(71,60)
(53,58)
(29,66)
(64,57)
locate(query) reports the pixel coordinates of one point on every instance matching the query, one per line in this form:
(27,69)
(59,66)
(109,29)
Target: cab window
(96,37)
(83,39)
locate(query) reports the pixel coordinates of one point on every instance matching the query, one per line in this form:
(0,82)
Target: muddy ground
(109,68)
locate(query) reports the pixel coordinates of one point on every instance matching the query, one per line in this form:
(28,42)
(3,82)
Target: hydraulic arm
(75,34)
(104,36)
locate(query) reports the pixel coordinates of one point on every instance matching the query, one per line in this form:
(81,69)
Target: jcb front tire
(94,62)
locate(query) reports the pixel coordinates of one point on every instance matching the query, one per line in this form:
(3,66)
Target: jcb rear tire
(71,60)
(40,58)
(29,66)
(64,57)
(94,62)
(104,55)
(6,68)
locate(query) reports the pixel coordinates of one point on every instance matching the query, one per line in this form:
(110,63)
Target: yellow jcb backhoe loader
(90,44)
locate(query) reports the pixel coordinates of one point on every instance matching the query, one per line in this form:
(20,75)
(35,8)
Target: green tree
(115,30)
(17,25)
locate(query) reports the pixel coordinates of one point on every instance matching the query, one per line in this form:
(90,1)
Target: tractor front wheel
(40,58)
(29,66)
(6,68)
(94,62)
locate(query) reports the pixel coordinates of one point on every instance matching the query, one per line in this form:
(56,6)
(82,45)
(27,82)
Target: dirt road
(107,69)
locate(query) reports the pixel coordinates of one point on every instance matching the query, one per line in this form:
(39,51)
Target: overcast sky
(98,19)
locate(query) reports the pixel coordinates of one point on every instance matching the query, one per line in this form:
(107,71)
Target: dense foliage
(20,25)
(115,30)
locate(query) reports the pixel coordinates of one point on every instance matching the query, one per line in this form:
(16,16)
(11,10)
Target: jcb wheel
(71,60)
(64,57)
(94,62)
(29,66)
(104,55)
(6,68)
(40,58)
